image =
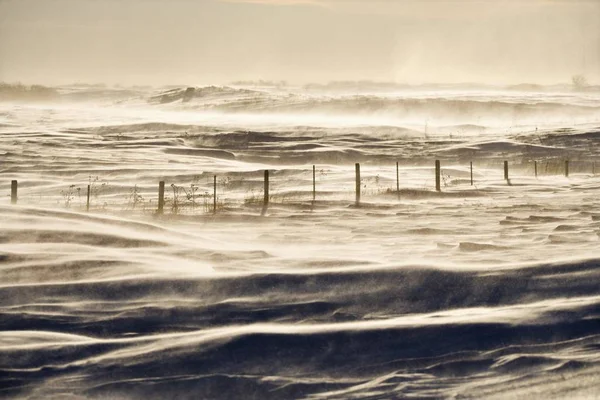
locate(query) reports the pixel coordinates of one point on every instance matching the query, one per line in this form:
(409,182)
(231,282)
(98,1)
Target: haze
(159,42)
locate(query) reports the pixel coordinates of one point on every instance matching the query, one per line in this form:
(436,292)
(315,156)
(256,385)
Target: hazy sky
(218,41)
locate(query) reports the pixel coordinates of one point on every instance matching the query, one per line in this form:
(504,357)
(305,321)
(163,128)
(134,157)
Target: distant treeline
(260,82)
(579,83)
(18,91)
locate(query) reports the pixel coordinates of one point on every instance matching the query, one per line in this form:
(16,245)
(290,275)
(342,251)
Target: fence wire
(308,185)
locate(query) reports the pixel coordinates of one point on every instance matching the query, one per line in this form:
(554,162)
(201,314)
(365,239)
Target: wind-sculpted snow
(434,106)
(482,291)
(107,307)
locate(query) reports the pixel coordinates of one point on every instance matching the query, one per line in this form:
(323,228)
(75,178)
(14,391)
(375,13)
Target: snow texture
(479,291)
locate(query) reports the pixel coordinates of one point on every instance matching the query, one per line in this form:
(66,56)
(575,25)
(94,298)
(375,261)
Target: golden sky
(218,41)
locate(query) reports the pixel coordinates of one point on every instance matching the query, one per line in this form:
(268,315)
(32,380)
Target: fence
(214,193)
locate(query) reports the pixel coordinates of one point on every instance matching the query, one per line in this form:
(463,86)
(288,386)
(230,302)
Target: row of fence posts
(265,206)
(161,185)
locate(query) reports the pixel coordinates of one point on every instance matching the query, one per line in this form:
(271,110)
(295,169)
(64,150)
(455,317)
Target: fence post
(471,164)
(314,184)
(357,172)
(87,204)
(506,171)
(535,168)
(215,194)
(13,192)
(161,197)
(266,190)
(437,176)
(567,168)
(397,180)
(594,168)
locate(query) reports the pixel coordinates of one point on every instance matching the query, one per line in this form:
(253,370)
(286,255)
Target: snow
(483,291)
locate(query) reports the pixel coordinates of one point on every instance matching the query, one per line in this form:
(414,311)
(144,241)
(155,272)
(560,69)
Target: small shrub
(135,198)
(175,204)
(69,195)
(445,179)
(190,194)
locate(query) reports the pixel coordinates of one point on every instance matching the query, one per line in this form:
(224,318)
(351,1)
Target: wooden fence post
(506,171)
(397,180)
(471,164)
(535,168)
(567,168)
(266,190)
(437,176)
(357,172)
(13,192)
(87,204)
(161,197)
(314,183)
(215,194)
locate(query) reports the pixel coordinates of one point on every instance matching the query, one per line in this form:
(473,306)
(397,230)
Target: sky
(194,42)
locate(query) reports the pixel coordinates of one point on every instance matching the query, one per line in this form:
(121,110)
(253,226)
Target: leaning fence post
(437,176)
(215,194)
(506,171)
(161,197)
(314,184)
(87,204)
(13,192)
(535,168)
(357,172)
(567,168)
(266,190)
(471,164)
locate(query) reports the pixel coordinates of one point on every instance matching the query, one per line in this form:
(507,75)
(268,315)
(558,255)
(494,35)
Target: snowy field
(479,291)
